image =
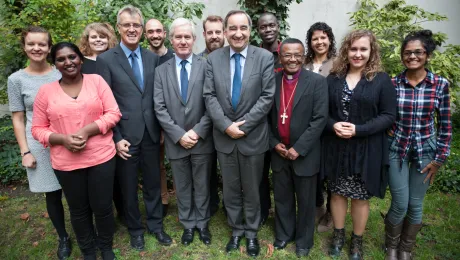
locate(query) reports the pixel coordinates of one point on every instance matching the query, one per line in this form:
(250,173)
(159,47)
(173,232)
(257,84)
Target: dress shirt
(128,52)
(243,56)
(188,68)
(57,112)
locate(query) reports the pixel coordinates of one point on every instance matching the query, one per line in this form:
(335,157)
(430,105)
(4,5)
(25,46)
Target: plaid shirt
(415,119)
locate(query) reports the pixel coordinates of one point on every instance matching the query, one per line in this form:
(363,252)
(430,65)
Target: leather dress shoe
(163,238)
(137,242)
(233,244)
(280,244)
(165,209)
(252,247)
(301,252)
(64,248)
(187,236)
(205,235)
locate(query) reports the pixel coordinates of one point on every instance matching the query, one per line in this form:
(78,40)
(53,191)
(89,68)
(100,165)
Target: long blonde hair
(101,28)
(373,66)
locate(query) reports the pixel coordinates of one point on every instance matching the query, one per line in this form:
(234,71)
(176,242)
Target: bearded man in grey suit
(238,91)
(180,109)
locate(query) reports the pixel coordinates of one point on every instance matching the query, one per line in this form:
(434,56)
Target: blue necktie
(136,70)
(183,80)
(236,90)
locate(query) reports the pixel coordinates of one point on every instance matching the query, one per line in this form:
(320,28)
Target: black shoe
(108,255)
(301,252)
(187,236)
(163,238)
(64,248)
(356,247)
(165,210)
(280,244)
(137,242)
(338,240)
(205,235)
(233,244)
(252,247)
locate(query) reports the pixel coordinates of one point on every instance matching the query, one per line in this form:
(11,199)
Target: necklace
(285,107)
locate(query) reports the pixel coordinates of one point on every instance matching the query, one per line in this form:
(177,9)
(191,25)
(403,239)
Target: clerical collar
(291,77)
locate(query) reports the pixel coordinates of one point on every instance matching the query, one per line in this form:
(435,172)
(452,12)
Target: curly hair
(425,37)
(342,64)
(101,28)
(320,26)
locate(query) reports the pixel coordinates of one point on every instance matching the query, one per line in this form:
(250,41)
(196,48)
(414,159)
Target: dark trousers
(264,189)
(89,191)
(56,211)
(146,157)
(290,189)
(214,182)
(117,198)
(241,176)
(320,194)
(192,175)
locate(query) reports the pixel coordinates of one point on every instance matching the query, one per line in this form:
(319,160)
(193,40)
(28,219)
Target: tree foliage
(392,22)
(257,7)
(66,19)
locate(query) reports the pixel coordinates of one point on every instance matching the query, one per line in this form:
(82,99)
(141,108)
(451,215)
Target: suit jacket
(257,90)
(176,117)
(136,105)
(308,119)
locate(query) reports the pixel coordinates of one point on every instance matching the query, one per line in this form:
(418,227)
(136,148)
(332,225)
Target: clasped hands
(189,139)
(344,130)
(290,154)
(75,142)
(234,130)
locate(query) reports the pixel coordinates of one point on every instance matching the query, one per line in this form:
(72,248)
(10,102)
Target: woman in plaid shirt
(418,146)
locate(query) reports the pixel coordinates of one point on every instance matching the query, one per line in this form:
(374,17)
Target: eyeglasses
(417,53)
(128,25)
(289,56)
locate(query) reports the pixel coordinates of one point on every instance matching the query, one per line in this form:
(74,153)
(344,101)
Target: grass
(35,238)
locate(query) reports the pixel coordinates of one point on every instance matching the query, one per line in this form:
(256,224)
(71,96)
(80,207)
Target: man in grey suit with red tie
(238,91)
(180,109)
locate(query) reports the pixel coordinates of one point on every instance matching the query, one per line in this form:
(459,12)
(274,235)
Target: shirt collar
(429,77)
(294,77)
(178,60)
(127,51)
(277,49)
(243,53)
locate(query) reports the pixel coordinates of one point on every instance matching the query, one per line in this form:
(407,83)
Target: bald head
(155,33)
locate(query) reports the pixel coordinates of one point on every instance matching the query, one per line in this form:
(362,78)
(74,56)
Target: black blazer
(372,111)
(136,105)
(309,117)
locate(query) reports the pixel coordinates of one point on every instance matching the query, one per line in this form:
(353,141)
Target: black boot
(356,247)
(338,240)
(64,248)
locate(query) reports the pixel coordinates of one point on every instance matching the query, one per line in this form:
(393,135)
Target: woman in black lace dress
(362,105)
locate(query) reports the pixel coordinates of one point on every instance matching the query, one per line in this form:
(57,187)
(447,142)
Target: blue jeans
(406,183)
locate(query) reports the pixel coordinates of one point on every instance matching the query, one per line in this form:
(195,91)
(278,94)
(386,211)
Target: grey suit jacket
(258,88)
(136,106)
(308,119)
(177,117)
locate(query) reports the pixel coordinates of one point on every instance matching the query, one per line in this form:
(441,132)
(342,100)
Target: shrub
(11,169)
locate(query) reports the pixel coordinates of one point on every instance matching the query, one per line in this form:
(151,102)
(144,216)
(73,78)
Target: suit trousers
(214,189)
(89,191)
(145,156)
(290,189)
(192,177)
(241,177)
(264,190)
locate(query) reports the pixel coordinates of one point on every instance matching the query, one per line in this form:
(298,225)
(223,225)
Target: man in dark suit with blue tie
(238,91)
(129,71)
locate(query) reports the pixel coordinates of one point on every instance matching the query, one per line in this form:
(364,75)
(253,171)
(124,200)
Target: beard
(214,44)
(159,45)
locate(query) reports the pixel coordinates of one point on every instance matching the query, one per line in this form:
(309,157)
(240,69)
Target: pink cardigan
(57,112)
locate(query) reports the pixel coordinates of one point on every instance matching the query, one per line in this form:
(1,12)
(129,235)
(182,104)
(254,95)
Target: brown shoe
(392,235)
(325,223)
(407,242)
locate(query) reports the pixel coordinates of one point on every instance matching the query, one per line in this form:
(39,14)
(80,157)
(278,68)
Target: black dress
(358,165)
(88,66)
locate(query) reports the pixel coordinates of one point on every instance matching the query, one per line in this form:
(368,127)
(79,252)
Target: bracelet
(23,154)
(435,163)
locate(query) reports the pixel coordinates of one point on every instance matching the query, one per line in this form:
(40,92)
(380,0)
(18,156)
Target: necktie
(183,80)
(136,70)
(236,90)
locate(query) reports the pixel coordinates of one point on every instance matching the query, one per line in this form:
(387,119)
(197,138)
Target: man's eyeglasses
(417,53)
(289,56)
(128,25)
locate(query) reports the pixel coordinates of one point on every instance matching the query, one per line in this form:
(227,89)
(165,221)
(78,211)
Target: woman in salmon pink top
(74,117)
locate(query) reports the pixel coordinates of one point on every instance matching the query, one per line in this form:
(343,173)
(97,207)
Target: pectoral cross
(283,118)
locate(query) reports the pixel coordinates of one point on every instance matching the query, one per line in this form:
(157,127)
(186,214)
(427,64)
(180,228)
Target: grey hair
(132,10)
(233,12)
(180,22)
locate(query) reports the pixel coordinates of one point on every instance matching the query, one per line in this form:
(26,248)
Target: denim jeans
(406,183)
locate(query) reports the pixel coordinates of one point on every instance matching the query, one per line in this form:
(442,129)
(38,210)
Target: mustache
(215,40)
(156,38)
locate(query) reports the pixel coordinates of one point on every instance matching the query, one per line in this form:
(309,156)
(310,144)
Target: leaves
(25,216)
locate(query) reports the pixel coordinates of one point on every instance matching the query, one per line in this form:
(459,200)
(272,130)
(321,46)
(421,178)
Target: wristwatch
(24,153)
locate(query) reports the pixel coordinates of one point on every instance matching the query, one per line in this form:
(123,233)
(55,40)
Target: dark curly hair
(425,37)
(320,26)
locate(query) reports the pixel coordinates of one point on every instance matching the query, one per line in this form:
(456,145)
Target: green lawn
(35,238)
